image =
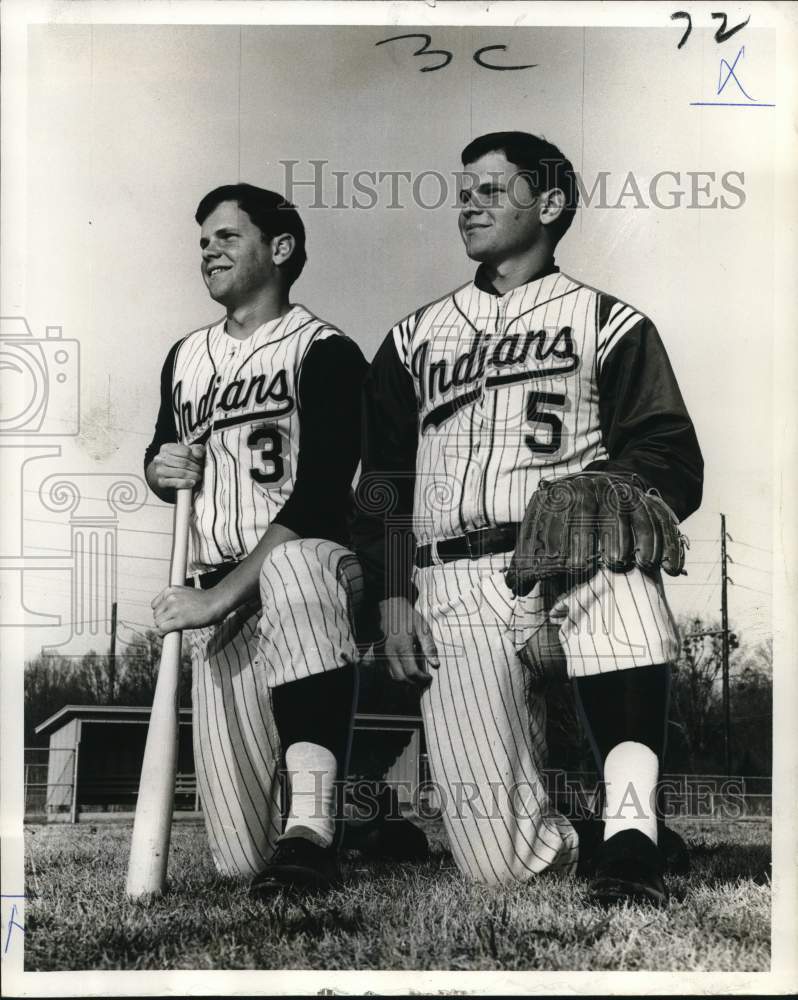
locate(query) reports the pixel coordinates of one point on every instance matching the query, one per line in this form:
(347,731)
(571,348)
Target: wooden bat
(149,846)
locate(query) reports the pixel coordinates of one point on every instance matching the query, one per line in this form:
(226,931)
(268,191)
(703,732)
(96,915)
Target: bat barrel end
(142,889)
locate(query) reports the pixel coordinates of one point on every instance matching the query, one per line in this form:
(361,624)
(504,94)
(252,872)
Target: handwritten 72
(721,35)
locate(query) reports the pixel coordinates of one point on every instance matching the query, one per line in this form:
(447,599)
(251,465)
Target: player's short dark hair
(541,162)
(269,211)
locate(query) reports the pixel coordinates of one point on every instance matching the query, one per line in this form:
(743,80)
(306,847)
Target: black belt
(213,576)
(472,545)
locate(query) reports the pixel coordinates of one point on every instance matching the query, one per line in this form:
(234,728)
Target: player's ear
(552,204)
(282,247)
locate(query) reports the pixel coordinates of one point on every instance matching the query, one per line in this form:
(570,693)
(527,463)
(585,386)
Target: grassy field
(389,917)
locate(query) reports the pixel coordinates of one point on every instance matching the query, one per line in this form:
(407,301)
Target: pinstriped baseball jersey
(239,398)
(469,403)
(507,394)
(261,406)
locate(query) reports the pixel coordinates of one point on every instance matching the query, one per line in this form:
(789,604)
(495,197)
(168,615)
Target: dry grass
(389,917)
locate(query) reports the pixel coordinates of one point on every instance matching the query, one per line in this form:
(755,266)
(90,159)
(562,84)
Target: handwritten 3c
(446,56)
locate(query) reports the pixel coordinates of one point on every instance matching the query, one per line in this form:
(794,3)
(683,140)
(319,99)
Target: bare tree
(140,662)
(51,682)
(695,692)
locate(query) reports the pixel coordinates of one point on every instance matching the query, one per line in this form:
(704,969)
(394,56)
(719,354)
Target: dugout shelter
(96,751)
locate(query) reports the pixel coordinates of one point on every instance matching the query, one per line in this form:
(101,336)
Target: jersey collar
(484,284)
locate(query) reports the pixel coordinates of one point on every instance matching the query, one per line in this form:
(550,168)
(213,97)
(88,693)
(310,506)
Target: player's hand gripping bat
(149,847)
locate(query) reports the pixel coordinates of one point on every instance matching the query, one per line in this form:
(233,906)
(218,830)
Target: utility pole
(724,625)
(113,630)
(112,656)
(724,633)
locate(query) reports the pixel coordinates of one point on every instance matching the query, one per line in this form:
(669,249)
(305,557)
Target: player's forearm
(384,578)
(242,585)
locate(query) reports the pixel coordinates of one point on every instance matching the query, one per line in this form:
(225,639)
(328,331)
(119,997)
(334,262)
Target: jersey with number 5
(243,400)
(548,379)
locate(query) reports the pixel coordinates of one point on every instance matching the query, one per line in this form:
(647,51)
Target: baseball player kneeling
(260,415)
(533,452)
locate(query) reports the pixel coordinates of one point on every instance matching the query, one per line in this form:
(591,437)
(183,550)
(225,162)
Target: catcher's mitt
(577,523)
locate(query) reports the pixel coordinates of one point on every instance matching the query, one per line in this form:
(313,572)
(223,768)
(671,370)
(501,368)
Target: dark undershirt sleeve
(383,537)
(645,424)
(165,428)
(330,381)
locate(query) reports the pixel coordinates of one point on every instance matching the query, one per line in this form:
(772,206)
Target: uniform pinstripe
(507,391)
(311,591)
(240,399)
(541,337)
(236,749)
(305,629)
(485,745)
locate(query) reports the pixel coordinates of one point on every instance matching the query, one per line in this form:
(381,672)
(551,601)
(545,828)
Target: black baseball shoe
(674,851)
(387,835)
(628,867)
(590,832)
(395,840)
(300,865)
(672,847)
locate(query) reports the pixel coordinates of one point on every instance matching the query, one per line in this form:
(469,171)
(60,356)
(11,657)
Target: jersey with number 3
(240,399)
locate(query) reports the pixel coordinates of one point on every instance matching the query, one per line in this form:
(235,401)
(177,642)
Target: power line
(137,531)
(90,621)
(121,555)
(135,627)
(121,590)
(122,587)
(742,586)
(130,625)
(85,496)
(748,546)
(709,598)
(69,593)
(141,635)
(707,581)
(756,569)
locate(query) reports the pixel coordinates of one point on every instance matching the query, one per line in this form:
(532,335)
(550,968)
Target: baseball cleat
(628,867)
(396,840)
(387,835)
(299,865)
(673,849)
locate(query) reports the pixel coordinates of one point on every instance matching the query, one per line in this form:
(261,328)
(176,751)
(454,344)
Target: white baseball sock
(631,771)
(312,770)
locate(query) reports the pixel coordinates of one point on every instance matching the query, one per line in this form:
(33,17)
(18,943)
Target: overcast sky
(127,127)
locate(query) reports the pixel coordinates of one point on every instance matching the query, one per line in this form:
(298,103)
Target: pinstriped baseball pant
(485,736)
(310,590)
(486,733)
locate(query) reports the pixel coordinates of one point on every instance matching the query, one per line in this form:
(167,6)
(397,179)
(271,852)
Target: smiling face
(499,212)
(237,262)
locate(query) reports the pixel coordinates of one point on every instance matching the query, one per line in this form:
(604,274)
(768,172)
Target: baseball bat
(152,826)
